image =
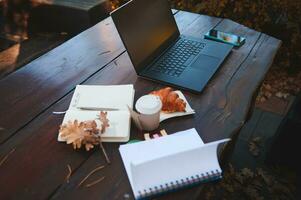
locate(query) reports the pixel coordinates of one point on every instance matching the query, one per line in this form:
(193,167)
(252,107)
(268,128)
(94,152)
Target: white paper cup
(149,107)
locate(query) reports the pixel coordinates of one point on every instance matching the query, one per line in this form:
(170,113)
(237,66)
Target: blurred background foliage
(279,18)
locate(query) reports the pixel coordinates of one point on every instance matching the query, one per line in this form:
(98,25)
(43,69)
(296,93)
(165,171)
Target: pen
(98,109)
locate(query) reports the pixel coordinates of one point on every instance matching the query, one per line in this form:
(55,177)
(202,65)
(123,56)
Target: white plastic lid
(148,104)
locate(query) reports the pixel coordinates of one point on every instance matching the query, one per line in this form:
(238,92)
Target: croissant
(171,102)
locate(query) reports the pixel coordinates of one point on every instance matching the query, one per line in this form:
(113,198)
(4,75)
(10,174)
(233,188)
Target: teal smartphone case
(207,36)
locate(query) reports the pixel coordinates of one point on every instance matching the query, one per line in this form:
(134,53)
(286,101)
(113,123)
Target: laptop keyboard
(173,62)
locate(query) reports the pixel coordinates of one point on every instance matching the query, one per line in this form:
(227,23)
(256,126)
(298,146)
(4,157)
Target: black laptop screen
(146,28)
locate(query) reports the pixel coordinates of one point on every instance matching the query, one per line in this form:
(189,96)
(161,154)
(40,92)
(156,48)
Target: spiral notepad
(169,163)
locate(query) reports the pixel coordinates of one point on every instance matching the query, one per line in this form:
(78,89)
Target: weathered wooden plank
(248,129)
(240,88)
(224,98)
(20,54)
(201,25)
(266,131)
(186,20)
(28,90)
(69,191)
(42,132)
(117,178)
(262,124)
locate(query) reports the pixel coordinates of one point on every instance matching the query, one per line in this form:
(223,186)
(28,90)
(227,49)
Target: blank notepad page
(142,153)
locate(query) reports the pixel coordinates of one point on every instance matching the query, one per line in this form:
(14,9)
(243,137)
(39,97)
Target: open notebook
(88,100)
(169,163)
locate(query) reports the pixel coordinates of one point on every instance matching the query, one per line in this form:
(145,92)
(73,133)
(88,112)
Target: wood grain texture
(40,131)
(18,55)
(44,81)
(38,167)
(36,86)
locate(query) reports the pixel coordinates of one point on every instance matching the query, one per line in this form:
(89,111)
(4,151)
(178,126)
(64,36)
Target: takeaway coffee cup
(149,107)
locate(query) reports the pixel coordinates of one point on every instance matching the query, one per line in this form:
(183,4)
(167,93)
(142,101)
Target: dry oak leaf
(80,133)
(104,121)
(84,133)
(171,102)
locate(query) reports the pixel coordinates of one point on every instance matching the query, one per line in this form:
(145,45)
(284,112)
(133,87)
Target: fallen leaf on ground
(246,172)
(254,146)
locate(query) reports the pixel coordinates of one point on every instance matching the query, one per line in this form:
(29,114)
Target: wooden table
(35,164)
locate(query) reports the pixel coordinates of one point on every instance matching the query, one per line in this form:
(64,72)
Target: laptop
(158,52)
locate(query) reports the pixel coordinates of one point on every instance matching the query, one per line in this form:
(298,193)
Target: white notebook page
(171,168)
(162,146)
(105,97)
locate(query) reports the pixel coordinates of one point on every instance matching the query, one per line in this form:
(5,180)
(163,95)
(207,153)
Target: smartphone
(228,38)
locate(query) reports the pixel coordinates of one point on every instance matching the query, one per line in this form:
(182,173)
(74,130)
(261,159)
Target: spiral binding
(177,184)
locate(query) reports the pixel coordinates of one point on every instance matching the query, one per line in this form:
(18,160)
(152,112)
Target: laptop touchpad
(205,62)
